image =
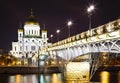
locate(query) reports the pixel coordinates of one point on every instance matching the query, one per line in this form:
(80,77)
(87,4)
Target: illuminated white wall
(30,29)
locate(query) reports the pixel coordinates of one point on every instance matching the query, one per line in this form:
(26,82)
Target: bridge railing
(107,31)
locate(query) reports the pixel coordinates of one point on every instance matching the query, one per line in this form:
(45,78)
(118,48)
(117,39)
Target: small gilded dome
(20,30)
(44,30)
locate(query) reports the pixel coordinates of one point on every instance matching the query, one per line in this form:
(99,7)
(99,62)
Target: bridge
(81,55)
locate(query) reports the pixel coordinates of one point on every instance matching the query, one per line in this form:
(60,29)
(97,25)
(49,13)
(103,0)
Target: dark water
(101,77)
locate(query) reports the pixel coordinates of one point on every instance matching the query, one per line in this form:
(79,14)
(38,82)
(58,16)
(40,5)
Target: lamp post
(90,10)
(58,31)
(38,49)
(51,36)
(38,64)
(69,24)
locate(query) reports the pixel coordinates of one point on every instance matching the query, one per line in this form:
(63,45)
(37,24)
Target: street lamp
(51,36)
(69,24)
(38,53)
(90,10)
(38,64)
(58,31)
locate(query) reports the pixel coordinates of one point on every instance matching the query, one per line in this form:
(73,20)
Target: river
(101,77)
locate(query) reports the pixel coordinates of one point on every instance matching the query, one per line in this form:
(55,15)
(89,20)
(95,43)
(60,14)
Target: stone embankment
(28,69)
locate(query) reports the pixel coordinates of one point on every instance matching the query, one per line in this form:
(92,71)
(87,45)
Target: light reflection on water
(104,77)
(33,78)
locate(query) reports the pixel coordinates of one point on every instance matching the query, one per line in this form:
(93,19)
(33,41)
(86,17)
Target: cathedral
(30,39)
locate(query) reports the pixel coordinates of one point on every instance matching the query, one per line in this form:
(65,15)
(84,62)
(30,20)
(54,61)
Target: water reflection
(18,79)
(33,78)
(119,77)
(104,77)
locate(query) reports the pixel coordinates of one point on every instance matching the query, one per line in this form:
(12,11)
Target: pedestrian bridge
(100,40)
(104,38)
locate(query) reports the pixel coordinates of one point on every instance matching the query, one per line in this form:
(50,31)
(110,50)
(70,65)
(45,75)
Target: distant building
(30,39)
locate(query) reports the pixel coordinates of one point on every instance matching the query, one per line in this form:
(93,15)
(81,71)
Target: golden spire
(44,26)
(20,28)
(31,19)
(44,30)
(31,12)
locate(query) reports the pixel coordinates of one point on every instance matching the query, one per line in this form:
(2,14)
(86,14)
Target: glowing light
(18,78)
(69,23)
(91,8)
(58,31)
(104,77)
(51,35)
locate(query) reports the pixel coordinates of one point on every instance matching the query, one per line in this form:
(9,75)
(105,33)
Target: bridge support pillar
(78,71)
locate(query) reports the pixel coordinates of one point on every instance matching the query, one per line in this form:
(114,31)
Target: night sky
(54,14)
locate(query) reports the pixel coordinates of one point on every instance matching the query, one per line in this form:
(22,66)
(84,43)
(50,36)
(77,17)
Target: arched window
(35,31)
(44,36)
(20,34)
(15,48)
(32,31)
(29,32)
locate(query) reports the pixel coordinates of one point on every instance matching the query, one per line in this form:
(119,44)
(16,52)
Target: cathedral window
(32,31)
(29,32)
(20,35)
(20,52)
(32,47)
(15,48)
(20,48)
(26,48)
(44,36)
(32,40)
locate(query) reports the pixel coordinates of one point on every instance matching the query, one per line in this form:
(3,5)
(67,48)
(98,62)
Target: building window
(15,48)
(33,41)
(44,36)
(20,52)
(32,31)
(29,32)
(20,48)
(26,48)
(32,47)
(20,35)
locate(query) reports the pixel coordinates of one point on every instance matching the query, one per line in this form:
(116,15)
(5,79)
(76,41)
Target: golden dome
(32,20)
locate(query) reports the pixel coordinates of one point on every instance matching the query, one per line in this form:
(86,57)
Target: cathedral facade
(30,39)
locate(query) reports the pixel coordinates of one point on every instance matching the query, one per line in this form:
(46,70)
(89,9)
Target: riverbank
(28,70)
